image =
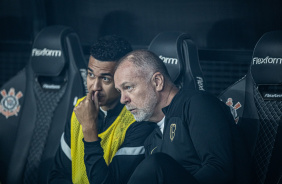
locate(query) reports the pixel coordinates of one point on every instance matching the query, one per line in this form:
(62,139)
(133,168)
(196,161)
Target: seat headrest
(49,51)
(180,56)
(167,46)
(266,67)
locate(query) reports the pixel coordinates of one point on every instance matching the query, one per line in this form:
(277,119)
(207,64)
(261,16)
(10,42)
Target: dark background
(225,31)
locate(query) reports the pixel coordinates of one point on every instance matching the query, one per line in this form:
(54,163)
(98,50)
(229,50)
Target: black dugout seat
(180,55)
(36,103)
(256,105)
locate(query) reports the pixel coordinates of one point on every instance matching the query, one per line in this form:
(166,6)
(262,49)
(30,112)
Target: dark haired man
(193,142)
(102,143)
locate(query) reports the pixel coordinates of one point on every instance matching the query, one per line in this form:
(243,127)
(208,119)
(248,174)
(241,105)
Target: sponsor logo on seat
(234,109)
(272,96)
(9,104)
(46,52)
(83,73)
(169,60)
(200,82)
(266,60)
(51,86)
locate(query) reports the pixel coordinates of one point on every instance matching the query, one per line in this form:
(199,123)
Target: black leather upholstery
(36,103)
(180,55)
(256,104)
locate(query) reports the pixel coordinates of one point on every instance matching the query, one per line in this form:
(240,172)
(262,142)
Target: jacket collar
(165,109)
(115,111)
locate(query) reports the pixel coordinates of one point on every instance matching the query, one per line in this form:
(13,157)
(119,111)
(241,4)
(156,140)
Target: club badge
(172,131)
(234,108)
(9,104)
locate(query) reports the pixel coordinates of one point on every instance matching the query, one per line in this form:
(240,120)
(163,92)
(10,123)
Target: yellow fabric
(111,140)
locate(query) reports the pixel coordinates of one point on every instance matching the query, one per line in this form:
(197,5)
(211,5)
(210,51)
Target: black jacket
(197,134)
(121,166)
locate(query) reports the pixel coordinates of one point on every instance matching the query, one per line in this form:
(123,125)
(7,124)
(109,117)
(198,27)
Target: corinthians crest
(234,109)
(9,104)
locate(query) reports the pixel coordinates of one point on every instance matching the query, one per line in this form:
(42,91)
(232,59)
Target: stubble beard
(147,111)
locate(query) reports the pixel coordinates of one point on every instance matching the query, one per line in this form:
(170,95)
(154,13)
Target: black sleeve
(129,155)
(210,131)
(61,169)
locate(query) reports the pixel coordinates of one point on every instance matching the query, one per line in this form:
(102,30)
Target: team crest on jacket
(9,104)
(234,108)
(172,131)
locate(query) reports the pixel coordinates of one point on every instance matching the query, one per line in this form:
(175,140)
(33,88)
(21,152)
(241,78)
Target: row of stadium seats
(36,102)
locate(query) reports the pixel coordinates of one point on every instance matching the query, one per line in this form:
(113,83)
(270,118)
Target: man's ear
(158,81)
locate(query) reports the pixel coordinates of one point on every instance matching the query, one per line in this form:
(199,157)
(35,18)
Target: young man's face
(137,92)
(100,77)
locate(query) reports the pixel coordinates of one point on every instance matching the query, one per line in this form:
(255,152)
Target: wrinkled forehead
(127,72)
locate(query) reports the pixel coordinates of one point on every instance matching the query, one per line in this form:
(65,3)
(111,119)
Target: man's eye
(128,87)
(106,79)
(90,74)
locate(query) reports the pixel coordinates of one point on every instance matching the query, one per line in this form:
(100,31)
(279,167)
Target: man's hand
(87,114)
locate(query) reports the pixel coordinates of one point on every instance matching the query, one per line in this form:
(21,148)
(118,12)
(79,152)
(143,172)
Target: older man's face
(136,90)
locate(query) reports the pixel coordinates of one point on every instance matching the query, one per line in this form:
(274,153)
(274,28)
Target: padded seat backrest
(256,104)
(180,55)
(36,103)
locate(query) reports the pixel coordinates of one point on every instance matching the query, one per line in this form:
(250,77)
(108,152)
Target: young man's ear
(158,81)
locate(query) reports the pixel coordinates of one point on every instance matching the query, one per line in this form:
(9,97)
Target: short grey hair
(147,62)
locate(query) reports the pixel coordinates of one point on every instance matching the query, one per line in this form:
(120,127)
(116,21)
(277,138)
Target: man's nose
(124,99)
(96,85)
